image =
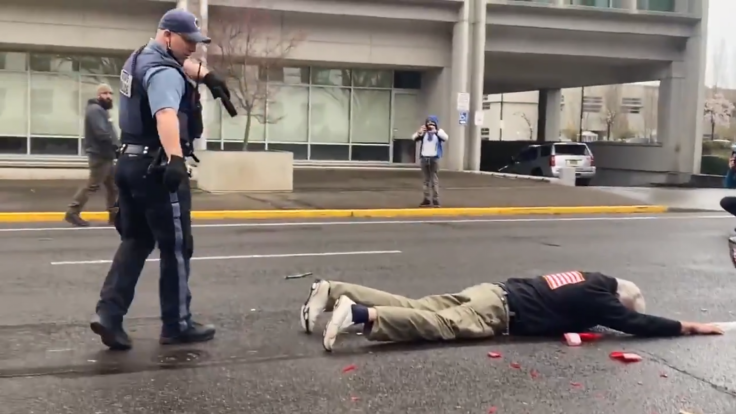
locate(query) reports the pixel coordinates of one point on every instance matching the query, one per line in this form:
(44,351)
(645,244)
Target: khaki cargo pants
(476,312)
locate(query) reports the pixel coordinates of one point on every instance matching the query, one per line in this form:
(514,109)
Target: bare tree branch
(529,125)
(612,108)
(247,47)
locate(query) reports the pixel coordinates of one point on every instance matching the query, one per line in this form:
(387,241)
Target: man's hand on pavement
(694,328)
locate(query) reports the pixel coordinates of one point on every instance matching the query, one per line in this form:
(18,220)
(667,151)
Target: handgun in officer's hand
(218,88)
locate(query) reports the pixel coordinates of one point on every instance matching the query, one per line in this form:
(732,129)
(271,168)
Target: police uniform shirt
(164,85)
(575,302)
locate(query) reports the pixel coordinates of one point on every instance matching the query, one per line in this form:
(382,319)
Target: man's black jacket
(575,302)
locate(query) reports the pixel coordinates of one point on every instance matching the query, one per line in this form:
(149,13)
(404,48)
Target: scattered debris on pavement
(348,369)
(298,276)
(515,365)
(494,355)
(626,356)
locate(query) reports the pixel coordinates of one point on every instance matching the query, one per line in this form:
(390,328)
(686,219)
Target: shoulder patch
(126,83)
(557,280)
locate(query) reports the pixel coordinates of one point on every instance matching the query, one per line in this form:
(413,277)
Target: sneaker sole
(305,313)
(332,329)
(108,337)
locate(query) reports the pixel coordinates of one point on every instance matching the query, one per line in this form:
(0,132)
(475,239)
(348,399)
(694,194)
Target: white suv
(545,160)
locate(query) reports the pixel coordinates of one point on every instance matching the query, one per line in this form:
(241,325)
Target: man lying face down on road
(549,305)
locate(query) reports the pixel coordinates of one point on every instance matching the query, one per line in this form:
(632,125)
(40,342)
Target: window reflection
(317,113)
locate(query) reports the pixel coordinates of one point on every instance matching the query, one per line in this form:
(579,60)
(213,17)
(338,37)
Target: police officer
(160,115)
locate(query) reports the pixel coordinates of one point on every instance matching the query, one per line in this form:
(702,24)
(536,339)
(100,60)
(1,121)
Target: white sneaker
(315,304)
(342,318)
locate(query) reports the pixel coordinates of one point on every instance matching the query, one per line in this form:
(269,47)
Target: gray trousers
(431,187)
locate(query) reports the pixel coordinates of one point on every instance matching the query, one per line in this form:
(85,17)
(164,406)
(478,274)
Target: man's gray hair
(630,295)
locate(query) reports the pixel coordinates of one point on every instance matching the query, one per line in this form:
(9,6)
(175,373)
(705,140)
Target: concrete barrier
(245,171)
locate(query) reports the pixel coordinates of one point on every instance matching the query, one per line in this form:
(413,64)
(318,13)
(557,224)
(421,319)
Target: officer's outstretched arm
(165,88)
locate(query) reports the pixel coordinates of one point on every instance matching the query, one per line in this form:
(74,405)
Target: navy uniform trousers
(149,216)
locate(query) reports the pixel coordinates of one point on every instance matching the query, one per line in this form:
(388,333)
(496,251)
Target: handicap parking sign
(463,118)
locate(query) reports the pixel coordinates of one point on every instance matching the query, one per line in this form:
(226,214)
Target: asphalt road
(261,363)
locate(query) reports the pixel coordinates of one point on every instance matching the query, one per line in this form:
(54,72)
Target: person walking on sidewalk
(431,139)
(100,144)
(549,305)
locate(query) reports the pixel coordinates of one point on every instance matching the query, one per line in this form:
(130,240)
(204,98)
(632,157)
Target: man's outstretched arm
(614,315)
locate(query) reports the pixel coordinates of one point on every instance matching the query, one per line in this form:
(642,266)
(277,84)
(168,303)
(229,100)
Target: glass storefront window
(13,61)
(13,104)
(288,75)
(316,113)
(331,77)
(101,65)
(288,114)
(212,116)
(372,78)
(371,116)
(57,63)
(656,5)
(330,117)
(54,105)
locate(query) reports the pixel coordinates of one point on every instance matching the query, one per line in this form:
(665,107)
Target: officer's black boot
(111,332)
(195,333)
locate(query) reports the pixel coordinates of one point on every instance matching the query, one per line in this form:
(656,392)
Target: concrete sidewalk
(342,189)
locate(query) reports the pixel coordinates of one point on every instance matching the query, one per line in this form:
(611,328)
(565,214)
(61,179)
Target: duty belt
(509,314)
(135,149)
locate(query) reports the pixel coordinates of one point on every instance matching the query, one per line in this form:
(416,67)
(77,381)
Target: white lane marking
(249,256)
(392,222)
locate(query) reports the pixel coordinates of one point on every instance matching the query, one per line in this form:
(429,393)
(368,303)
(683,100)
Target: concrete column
(204,93)
(541,115)
(629,5)
(558,2)
(455,158)
(182,4)
(477,77)
(549,114)
(681,100)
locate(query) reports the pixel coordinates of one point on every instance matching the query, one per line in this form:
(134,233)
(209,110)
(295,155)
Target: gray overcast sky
(720,46)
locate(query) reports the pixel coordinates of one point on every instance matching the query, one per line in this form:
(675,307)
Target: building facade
(367,72)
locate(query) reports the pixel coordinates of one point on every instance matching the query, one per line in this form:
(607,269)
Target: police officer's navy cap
(183,23)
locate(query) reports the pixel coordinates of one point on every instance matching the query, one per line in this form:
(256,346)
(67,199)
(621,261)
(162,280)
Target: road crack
(720,388)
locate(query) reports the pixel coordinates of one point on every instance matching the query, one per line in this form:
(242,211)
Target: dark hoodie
(100,138)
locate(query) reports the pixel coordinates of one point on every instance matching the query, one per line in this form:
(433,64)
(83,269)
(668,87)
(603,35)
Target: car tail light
(592,161)
(552,161)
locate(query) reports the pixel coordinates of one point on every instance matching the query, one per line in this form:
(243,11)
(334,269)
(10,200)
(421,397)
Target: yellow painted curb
(357,213)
